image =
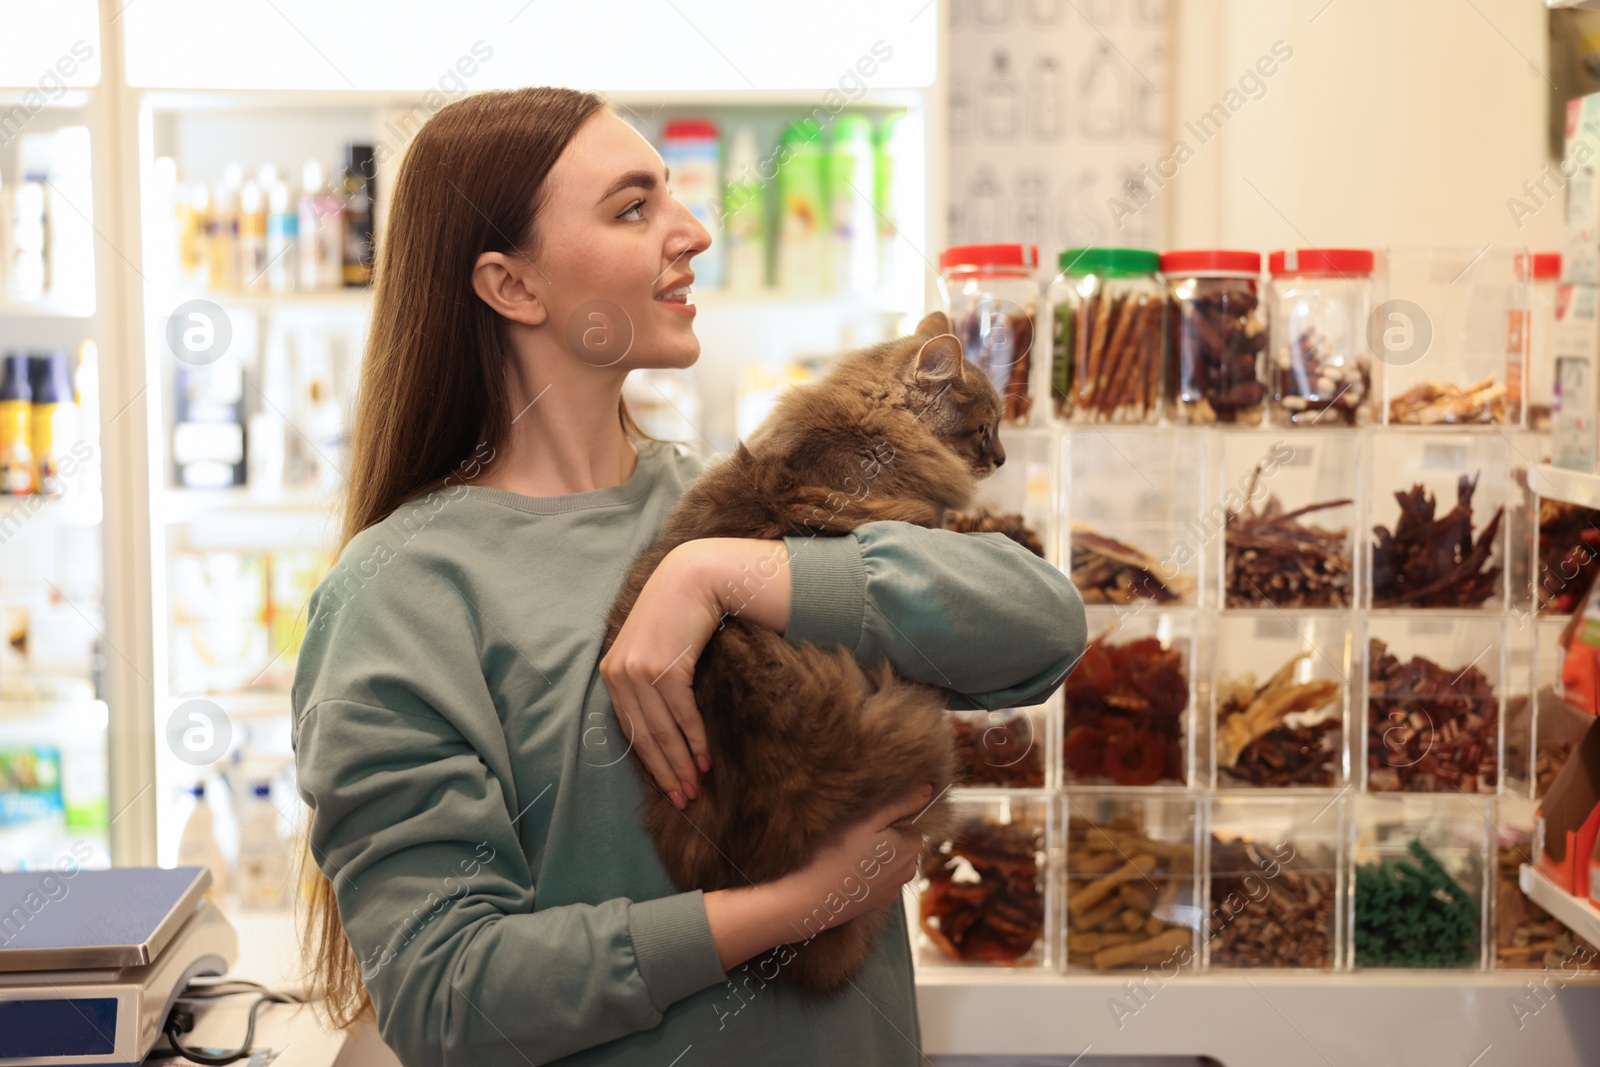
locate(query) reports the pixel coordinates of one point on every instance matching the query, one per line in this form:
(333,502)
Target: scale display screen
(36,1028)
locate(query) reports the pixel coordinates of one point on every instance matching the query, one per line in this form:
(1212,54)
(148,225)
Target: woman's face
(615,252)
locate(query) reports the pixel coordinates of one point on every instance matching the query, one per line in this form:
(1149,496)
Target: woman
(474,800)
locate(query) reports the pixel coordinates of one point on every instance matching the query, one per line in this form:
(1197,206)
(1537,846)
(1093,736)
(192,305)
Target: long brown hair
(433,384)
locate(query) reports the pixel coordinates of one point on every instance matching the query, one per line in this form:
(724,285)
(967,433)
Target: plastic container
(744,216)
(1131,898)
(1434,702)
(1136,532)
(198,846)
(1128,714)
(1321,370)
(852,165)
(988,895)
(1107,308)
(1566,555)
(802,229)
(1281,700)
(1272,881)
(1450,329)
(1291,519)
(1555,726)
(1420,886)
(991,293)
(1012,748)
(53,419)
(1437,521)
(1215,338)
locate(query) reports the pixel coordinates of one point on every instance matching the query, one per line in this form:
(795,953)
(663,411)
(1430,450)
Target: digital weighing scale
(91,962)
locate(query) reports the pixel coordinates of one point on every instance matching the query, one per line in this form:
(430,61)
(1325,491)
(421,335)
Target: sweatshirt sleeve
(976,614)
(434,890)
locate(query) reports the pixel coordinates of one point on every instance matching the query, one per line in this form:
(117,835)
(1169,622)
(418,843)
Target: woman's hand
(649,670)
(862,869)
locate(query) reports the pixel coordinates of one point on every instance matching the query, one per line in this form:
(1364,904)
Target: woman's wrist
(747,922)
(745,577)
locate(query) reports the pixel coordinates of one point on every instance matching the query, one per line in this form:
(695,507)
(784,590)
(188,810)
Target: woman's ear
(505,283)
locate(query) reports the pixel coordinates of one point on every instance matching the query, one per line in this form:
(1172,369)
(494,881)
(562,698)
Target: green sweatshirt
(475,804)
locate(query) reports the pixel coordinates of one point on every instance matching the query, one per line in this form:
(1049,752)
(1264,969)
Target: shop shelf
(1525,935)
(1573,487)
(1579,916)
(1012,748)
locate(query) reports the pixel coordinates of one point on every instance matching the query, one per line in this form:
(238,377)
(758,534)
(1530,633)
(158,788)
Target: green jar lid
(1115,262)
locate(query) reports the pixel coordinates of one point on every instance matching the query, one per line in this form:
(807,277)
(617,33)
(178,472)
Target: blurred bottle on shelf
(852,184)
(263,852)
(53,417)
(889,146)
(693,154)
(802,214)
(192,214)
(222,231)
(321,231)
(32,809)
(30,238)
(744,216)
(252,237)
(283,237)
(198,846)
(208,447)
(16,434)
(358,192)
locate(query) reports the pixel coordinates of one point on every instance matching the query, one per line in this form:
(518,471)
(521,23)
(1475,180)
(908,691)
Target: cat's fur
(803,741)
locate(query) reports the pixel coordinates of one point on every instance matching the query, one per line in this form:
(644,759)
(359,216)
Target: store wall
(1398,121)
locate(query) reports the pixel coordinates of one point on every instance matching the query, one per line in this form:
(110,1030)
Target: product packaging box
(1569,817)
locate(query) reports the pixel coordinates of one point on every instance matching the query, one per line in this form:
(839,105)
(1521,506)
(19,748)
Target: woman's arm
(975,614)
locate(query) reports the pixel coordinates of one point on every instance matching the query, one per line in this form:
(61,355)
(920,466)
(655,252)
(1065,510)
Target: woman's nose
(690,237)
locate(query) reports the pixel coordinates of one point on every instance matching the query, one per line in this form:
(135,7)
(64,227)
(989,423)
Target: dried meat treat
(1126,891)
(1569,555)
(1001,344)
(984,520)
(1213,366)
(1117,343)
(1255,746)
(984,902)
(1107,571)
(1271,907)
(999,750)
(1430,402)
(1271,557)
(1430,562)
(1310,382)
(1124,708)
(1430,729)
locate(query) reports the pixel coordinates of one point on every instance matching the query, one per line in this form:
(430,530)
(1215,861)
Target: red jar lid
(1200,261)
(1546,267)
(1321,261)
(690,130)
(989,256)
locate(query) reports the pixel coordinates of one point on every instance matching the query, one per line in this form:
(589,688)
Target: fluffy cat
(803,740)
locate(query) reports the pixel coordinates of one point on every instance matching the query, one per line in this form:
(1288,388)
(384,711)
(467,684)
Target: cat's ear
(932,326)
(939,360)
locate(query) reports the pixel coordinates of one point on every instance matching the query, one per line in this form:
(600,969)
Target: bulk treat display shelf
(1357,904)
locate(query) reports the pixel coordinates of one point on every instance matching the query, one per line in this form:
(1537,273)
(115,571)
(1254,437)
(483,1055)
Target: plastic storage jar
(991,293)
(1215,338)
(1107,308)
(1321,370)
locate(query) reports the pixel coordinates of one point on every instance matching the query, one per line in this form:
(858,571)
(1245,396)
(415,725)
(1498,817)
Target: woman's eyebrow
(641,179)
